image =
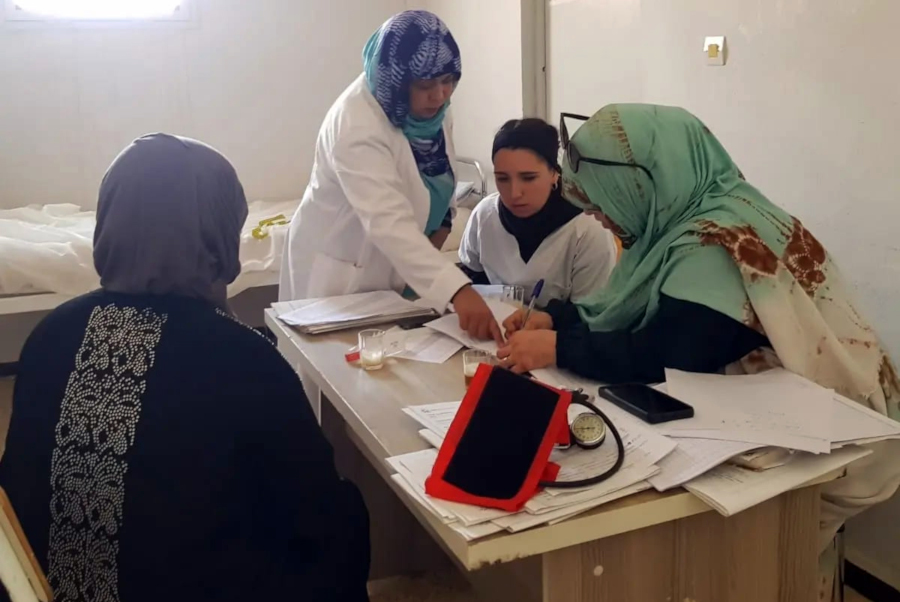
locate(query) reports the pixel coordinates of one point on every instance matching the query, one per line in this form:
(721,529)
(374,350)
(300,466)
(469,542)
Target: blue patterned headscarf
(410,46)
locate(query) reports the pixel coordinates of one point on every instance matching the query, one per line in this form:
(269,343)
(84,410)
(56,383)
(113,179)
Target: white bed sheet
(48,249)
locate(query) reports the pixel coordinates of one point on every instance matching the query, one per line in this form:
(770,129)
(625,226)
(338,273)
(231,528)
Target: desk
(648,547)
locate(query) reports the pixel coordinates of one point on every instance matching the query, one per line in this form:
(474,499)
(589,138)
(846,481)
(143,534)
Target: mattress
(49,249)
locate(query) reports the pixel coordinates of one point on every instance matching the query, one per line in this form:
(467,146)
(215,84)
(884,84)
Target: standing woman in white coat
(377,207)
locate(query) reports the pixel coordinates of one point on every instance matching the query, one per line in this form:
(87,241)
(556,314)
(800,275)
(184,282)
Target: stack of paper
(775,408)
(330,314)
(643,449)
(702,450)
(689,459)
(730,489)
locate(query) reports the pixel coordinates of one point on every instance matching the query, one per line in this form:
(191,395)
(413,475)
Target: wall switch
(714,51)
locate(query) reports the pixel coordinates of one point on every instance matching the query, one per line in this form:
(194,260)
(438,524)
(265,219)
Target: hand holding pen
(528,319)
(534,296)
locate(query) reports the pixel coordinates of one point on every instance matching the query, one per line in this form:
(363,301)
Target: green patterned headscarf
(701,233)
(695,186)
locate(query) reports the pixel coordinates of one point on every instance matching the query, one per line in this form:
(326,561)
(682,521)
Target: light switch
(714,49)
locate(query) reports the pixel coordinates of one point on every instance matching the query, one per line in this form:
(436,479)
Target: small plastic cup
(371,349)
(474,358)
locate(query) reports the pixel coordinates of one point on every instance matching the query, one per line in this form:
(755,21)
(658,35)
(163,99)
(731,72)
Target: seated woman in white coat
(379,199)
(527,231)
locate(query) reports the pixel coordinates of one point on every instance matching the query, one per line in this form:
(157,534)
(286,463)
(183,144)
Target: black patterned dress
(160,450)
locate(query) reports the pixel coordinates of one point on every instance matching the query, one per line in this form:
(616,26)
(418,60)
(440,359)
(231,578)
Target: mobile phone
(647,403)
(417,322)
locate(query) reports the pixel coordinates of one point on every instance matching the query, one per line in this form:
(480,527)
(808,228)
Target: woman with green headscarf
(714,277)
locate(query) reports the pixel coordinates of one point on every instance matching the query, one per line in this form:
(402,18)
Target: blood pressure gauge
(588,430)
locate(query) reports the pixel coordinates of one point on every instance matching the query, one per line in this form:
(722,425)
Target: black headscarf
(542,139)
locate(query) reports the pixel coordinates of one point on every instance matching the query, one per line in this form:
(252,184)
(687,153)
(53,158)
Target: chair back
(20,572)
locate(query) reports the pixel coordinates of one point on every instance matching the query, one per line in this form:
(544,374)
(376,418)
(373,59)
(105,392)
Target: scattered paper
(436,417)
(417,467)
(643,448)
(626,477)
(426,345)
(775,408)
(449,325)
(731,489)
(693,457)
(523,520)
(855,423)
(432,438)
(468,533)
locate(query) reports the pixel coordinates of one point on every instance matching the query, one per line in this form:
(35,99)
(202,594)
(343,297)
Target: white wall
(807,105)
(489,34)
(253,79)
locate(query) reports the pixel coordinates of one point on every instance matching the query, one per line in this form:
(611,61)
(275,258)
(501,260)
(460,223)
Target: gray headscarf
(169,220)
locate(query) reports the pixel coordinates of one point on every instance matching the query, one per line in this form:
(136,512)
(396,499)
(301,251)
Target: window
(98,10)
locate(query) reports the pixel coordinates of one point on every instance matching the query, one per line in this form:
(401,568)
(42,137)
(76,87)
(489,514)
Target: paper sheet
(468,533)
(432,438)
(693,457)
(417,467)
(689,459)
(426,345)
(772,408)
(523,520)
(449,325)
(643,448)
(436,417)
(730,489)
(854,422)
(626,477)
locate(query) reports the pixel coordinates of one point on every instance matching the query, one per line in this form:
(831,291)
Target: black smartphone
(417,322)
(647,403)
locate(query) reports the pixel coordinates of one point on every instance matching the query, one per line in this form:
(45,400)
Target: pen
(534,295)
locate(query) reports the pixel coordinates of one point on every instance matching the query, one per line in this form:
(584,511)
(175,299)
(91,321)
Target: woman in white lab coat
(527,231)
(378,204)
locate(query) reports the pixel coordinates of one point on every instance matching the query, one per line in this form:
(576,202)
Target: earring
(556,185)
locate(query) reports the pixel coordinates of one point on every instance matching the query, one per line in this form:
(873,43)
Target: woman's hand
(475,317)
(538,320)
(439,238)
(529,350)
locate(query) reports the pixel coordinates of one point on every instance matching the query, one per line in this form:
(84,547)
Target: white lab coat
(360,224)
(573,261)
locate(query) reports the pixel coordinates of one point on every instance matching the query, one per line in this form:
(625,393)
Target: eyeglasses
(574,156)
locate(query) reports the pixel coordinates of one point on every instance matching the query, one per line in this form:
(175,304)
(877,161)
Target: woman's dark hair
(533,134)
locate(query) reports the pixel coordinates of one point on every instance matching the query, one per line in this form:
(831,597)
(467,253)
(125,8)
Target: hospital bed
(47,253)
(46,257)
